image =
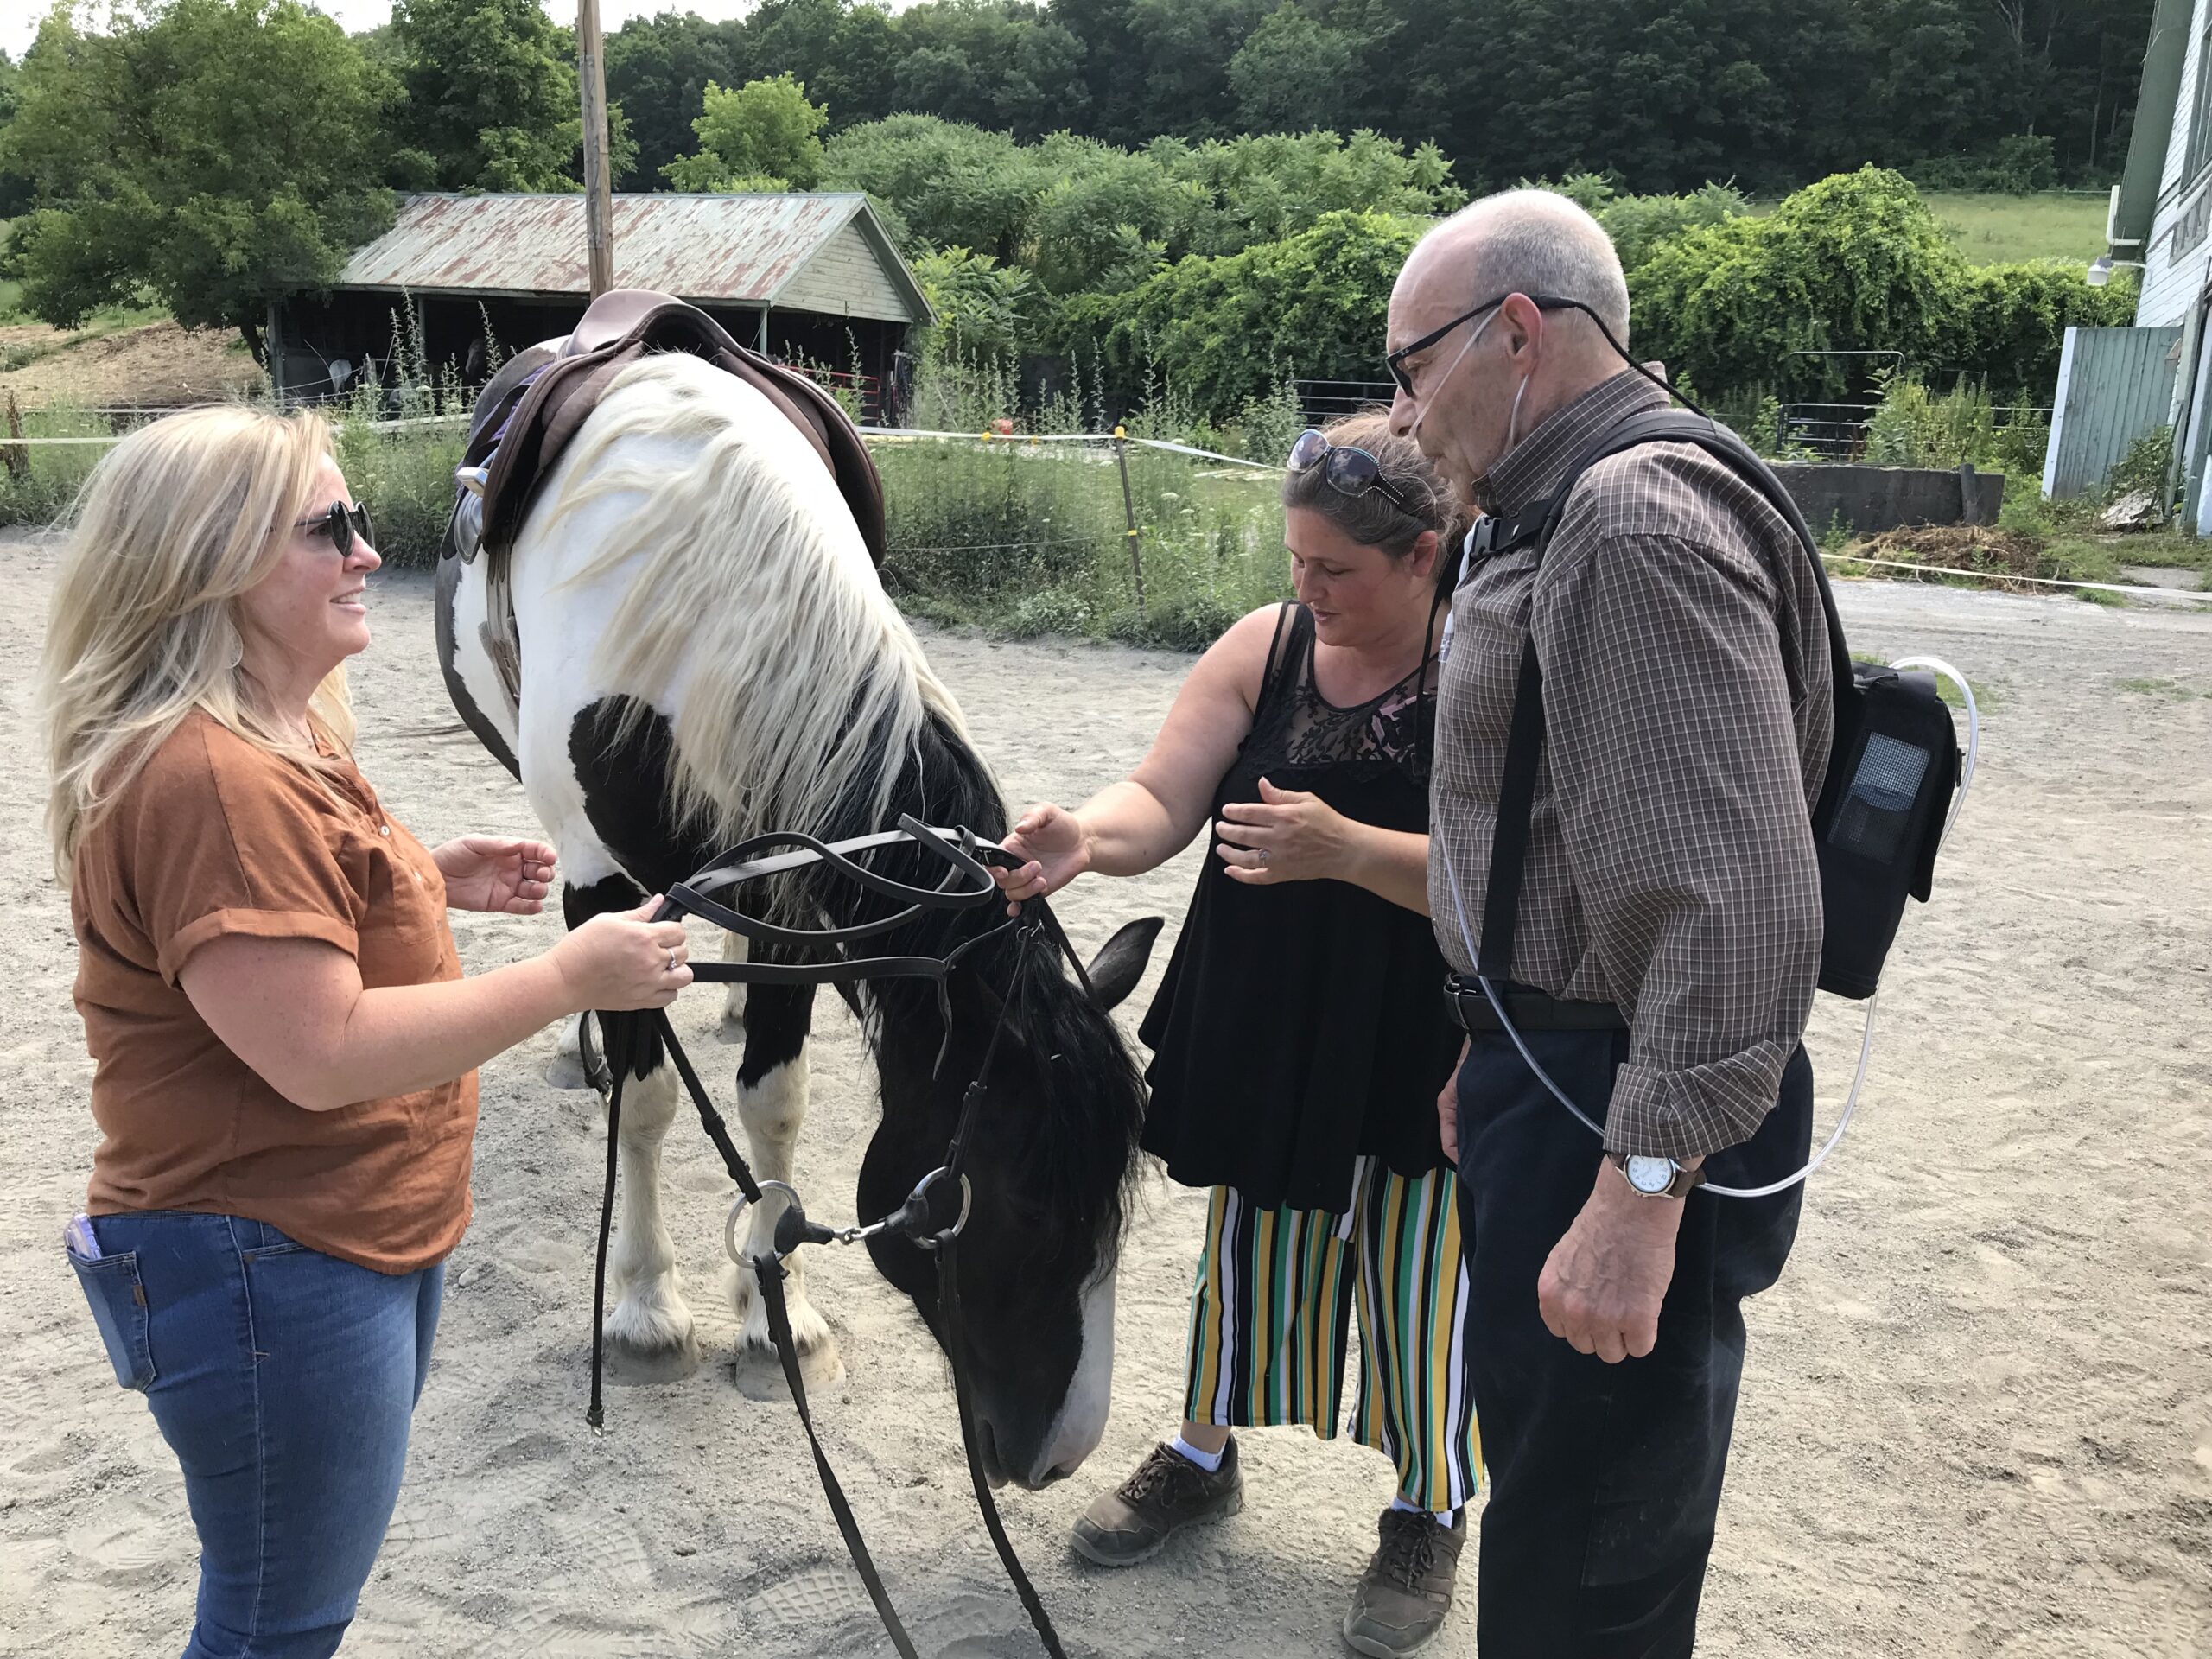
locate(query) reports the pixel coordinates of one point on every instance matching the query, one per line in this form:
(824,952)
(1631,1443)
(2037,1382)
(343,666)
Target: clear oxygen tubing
(1933,665)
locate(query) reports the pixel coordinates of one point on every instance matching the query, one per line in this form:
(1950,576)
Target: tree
(760,136)
(949,184)
(15,191)
(1262,188)
(656,73)
(846,54)
(1187,46)
(492,95)
(998,63)
(208,152)
(1227,331)
(1292,74)
(983,309)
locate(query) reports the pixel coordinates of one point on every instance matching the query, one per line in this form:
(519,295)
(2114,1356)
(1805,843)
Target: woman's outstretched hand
(1051,840)
(1285,835)
(495,873)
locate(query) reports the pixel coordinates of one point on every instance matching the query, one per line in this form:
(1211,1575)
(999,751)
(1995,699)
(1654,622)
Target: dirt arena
(1977,1418)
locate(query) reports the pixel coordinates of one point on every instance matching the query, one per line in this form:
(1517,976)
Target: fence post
(1130,513)
(17,458)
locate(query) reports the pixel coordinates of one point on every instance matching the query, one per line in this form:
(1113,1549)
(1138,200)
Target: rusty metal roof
(729,249)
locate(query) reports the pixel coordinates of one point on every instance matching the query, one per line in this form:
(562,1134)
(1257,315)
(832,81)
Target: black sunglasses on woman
(342,524)
(1345,469)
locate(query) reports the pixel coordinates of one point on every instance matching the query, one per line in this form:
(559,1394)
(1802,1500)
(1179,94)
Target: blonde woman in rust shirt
(284,1044)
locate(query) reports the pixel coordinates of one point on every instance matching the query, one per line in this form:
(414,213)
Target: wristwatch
(1654,1178)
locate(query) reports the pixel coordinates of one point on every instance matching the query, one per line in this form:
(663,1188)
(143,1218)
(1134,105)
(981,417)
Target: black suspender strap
(1524,741)
(1516,803)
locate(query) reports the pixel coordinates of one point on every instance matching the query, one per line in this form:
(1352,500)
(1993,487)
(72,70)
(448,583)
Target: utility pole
(599,197)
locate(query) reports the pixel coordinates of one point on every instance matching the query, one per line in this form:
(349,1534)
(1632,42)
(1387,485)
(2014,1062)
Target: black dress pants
(1604,1480)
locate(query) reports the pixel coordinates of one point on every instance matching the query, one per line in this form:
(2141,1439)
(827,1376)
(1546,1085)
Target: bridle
(967,885)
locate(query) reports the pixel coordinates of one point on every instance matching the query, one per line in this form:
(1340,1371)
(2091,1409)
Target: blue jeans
(283,1379)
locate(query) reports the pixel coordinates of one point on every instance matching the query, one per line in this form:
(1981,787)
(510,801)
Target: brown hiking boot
(1407,1589)
(1168,1492)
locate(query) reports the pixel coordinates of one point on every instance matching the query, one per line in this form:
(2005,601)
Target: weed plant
(38,480)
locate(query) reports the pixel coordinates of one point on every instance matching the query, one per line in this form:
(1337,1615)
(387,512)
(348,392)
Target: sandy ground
(1977,1418)
(160,363)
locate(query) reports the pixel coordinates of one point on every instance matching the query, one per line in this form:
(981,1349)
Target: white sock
(1209,1461)
(1443,1517)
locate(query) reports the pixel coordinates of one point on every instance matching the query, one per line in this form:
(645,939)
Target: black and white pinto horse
(707,654)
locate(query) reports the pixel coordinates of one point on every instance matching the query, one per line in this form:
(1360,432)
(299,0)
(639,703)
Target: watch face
(1651,1175)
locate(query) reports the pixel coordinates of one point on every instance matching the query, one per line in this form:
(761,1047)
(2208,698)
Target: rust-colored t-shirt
(216,836)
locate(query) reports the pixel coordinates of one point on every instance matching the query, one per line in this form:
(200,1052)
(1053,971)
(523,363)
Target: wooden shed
(811,278)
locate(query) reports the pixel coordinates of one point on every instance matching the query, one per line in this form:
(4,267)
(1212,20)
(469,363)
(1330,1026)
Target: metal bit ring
(966,1202)
(737,1214)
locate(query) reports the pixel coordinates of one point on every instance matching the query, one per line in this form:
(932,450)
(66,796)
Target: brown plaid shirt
(1688,711)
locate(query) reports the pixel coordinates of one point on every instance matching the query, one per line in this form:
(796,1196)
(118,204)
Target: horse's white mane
(751,615)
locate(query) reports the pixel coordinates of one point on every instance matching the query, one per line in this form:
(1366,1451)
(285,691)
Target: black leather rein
(967,885)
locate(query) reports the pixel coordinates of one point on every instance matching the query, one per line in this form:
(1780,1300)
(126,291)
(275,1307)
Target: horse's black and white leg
(771,1095)
(649,1328)
(734,950)
(566,1068)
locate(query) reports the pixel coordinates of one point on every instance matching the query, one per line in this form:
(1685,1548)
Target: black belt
(1471,1012)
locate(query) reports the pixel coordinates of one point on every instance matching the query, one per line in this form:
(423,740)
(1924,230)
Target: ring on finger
(671,961)
(1263,855)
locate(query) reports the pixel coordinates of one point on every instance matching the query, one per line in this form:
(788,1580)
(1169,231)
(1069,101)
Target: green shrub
(2018,166)
(404,475)
(51,475)
(1916,428)
(2012,322)
(1312,305)
(2022,446)
(1268,426)
(2146,465)
(1912,429)
(1638,224)
(1856,263)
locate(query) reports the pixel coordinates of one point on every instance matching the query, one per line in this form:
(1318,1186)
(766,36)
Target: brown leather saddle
(529,411)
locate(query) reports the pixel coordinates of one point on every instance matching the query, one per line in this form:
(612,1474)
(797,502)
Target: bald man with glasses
(1665,924)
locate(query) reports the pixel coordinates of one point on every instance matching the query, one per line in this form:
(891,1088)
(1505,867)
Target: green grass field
(1996,230)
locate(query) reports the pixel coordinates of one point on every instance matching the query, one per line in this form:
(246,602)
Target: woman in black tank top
(1299,1038)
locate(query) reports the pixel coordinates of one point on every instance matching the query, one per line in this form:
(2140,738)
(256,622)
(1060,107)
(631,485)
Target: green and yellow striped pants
(1270,1317)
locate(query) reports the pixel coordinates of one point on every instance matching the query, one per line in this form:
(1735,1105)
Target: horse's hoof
(566,1070)
(759,1374)
(730,1028)
(632,1366)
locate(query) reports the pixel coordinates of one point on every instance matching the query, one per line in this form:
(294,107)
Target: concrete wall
(1871,499)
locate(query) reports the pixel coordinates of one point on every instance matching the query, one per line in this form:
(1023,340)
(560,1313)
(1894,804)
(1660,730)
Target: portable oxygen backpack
(1892,769)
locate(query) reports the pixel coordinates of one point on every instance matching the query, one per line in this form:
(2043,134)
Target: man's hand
(1448,1109)
(1601,1289)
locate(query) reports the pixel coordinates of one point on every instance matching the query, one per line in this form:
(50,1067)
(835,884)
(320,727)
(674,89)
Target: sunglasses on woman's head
(1343,469)
(342,524)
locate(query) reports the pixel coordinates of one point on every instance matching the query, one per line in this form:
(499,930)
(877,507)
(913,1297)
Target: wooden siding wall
(2171,280)
(846,279)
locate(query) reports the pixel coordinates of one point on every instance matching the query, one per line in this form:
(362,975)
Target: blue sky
(19,19)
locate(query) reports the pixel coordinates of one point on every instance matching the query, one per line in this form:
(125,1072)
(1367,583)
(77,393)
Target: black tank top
(1302,1025)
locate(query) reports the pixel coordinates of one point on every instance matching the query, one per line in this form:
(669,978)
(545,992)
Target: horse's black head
(1048,1165)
